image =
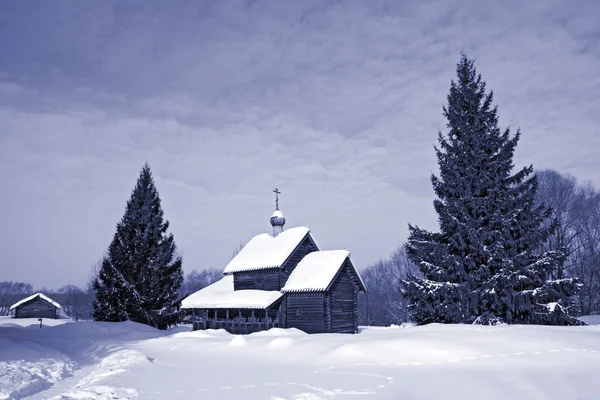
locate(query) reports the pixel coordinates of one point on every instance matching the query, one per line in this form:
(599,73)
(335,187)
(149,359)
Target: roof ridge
(265,251)
(33,296)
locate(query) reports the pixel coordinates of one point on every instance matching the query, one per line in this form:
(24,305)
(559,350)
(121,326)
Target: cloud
(336,103)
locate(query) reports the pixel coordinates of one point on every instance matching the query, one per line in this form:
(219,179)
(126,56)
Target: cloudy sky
(337,103)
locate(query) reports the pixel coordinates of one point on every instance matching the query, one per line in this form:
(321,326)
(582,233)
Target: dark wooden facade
(306,311)
(342,301)
(36,308)
(333,310)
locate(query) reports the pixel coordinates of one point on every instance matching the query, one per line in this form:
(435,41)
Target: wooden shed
(36,306)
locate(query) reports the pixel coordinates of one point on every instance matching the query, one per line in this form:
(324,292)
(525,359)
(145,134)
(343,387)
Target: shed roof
(317,270)
(221,295)
(265,251)
(40,295)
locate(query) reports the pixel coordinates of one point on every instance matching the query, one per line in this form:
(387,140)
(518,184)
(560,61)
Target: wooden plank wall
(306,311)
(343,299)
(264,279)
(327,312)
(36,308)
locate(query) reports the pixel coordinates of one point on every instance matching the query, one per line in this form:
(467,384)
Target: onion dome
(277,219)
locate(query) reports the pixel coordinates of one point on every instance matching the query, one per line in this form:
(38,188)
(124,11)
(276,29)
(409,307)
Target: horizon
(337,105)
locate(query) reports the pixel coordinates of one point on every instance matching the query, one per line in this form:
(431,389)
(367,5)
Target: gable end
(348,268)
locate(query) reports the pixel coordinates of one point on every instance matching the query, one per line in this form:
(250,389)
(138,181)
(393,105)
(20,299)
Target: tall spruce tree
(484,259)
(141,274)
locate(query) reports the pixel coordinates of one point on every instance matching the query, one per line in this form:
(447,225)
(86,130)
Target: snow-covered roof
(40,295)
(316,271)
(221,295)
(265,251)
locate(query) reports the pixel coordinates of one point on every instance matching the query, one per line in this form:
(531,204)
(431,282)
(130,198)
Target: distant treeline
(76,301)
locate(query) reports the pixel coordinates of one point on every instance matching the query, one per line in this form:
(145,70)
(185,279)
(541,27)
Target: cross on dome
(277,219)
(277,193)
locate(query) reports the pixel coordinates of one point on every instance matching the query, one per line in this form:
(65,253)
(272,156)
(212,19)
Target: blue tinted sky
(337,103)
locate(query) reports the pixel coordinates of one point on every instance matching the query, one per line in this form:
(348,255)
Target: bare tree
(383,303)
(401,265)
(12,292)
(237,249)
(561,193)
(199,279)
(75,301)
(586,252)
(196,280)
(93,275)
(576,209)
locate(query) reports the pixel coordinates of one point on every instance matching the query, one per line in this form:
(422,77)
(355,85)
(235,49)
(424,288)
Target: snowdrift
(90,360)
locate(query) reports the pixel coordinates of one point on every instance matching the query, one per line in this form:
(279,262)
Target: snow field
(131,361)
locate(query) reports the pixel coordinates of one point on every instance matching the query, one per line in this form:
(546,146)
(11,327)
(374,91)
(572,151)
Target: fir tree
(140,276)
(483,259)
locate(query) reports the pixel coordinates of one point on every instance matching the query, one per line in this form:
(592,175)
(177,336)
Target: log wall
(264,279)
(342,302)
(282,314)
(36,308)
(306,311)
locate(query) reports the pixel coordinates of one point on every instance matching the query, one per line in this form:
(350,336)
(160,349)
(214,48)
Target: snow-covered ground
(90,360)
(25,322)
